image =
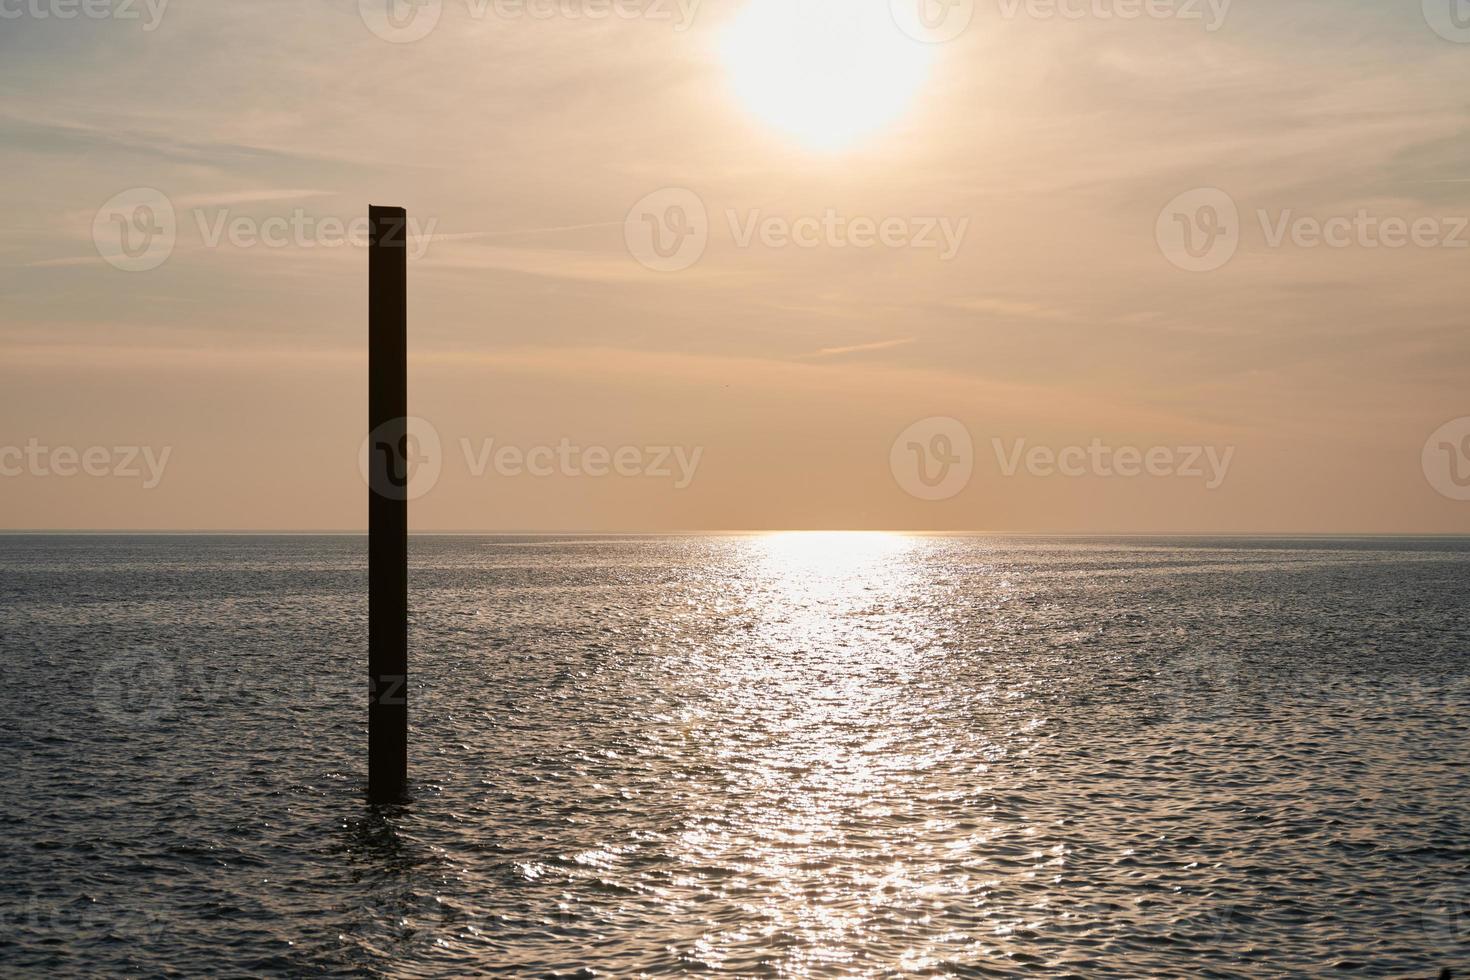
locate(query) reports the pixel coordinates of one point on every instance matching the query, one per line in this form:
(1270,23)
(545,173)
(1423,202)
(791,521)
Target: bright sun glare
(826,72)
(833,553)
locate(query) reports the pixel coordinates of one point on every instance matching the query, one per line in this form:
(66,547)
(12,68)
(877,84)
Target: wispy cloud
(1012,308)
(223,198)
(863,348)
(460,236)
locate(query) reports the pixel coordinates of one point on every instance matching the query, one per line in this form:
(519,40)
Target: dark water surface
(791,755)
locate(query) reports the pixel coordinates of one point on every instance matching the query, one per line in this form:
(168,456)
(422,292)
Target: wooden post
(388,504)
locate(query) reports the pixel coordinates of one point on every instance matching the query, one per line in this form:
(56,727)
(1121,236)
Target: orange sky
(871,231)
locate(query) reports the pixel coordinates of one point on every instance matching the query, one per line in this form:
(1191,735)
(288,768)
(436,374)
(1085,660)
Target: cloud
(863,348)
(1012,308)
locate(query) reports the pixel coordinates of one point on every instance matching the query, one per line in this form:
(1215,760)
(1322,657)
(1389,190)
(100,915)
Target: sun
(828,73)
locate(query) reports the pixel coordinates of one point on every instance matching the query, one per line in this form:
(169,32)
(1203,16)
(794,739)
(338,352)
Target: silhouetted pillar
(388,504)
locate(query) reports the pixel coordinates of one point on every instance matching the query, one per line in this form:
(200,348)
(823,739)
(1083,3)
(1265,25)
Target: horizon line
(348,532)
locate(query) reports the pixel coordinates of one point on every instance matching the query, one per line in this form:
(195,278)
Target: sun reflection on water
(825,760)
(833,572)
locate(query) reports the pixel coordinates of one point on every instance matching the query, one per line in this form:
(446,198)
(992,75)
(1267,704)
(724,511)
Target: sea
(755,755)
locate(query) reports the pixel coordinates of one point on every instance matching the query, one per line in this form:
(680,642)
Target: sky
(1094,266)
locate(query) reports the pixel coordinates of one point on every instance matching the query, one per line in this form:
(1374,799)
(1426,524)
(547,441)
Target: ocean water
(753,756)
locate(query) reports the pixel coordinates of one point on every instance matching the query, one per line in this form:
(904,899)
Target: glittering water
(791,755)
